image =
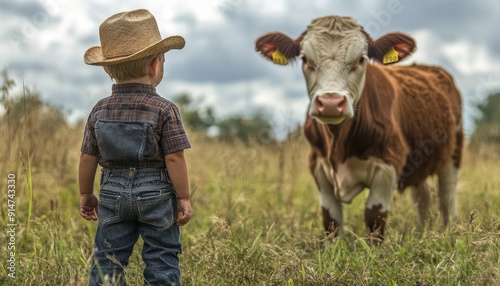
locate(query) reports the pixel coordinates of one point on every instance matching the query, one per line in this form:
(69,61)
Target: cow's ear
(278,48)
(391,48)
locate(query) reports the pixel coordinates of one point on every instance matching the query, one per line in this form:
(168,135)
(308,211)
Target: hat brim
(94,56)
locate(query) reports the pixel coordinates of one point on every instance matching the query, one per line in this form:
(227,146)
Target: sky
(43,42)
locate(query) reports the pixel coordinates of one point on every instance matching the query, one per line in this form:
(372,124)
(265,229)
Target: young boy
(138,139)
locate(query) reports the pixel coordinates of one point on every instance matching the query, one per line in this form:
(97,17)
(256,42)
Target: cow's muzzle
(330,105)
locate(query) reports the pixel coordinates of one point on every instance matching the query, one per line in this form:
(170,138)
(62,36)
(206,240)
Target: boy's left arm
(178,173)
(86,175)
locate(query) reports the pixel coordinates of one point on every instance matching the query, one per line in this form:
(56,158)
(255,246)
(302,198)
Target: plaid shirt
(137,102)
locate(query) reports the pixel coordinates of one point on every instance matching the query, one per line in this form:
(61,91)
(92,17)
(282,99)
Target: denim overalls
(134,202)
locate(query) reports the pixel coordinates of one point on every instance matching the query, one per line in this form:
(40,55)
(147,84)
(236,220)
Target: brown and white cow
(371,125)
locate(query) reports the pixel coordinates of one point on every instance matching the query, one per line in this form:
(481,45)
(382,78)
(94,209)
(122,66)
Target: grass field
(256,219)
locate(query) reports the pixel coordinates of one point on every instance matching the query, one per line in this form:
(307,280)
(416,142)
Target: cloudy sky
(43,42)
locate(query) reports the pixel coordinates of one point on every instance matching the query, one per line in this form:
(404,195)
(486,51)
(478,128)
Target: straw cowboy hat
(130,36)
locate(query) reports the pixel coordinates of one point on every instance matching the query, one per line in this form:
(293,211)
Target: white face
(334,68)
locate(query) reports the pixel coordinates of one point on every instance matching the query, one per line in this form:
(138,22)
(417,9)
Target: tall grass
(256,218)
(29,178)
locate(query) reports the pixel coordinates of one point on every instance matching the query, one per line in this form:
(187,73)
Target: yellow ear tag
(279,58)
(390,57)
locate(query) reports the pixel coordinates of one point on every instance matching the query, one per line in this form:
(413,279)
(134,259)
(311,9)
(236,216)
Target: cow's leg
(447,192)
(332,212)
(382,189)
(421,196)
(331,207)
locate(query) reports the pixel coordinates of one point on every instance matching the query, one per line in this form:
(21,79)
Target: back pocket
(156,210)
(120,141)
(108,207)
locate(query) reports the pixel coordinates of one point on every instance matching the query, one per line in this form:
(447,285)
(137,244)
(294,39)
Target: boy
(138,139)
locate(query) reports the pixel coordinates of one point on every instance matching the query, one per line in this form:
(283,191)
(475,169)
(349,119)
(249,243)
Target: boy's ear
(391,48)
(154,66)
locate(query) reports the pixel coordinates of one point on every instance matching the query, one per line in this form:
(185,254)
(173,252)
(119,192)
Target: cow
(371,124)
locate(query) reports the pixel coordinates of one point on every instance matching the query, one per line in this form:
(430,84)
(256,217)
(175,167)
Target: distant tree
(256,128)
(488,123)
(7,85)
(193,117)
(490,110)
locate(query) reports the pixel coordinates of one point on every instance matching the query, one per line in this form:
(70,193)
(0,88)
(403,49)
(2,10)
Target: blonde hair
(133,69)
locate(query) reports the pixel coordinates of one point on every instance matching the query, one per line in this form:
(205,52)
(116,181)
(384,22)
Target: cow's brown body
(397,122)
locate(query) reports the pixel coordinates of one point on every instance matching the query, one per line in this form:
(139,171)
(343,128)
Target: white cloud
(248,97)
(469,57)
(428,47)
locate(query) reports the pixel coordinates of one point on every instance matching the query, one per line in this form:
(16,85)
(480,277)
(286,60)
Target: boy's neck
(143,80)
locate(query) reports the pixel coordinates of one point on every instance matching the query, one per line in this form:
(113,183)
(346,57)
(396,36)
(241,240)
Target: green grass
(256,221)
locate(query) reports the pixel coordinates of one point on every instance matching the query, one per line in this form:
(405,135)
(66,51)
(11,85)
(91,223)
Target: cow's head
(335,52)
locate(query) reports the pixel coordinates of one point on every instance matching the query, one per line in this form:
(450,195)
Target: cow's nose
(330,104)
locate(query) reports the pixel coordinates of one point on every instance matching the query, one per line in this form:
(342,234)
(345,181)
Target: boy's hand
(184,208)
(88,206)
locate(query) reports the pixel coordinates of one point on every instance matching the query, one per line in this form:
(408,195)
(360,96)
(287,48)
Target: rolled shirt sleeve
(89,143)
(173,137)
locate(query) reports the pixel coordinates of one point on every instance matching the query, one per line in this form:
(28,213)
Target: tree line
(488,121)
(256,128)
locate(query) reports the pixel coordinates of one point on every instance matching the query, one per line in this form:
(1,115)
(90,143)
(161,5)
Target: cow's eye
(356,65)
(304,59)
(305,63)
